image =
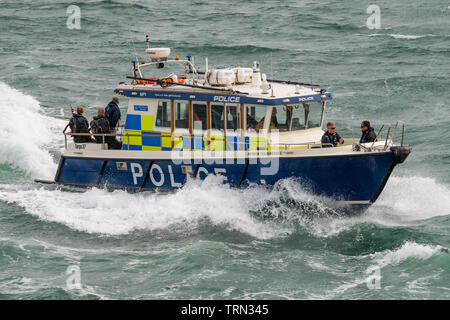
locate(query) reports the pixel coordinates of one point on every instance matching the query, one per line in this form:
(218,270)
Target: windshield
(296,117)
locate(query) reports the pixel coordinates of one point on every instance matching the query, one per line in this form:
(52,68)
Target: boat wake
(204,204)
(114,213)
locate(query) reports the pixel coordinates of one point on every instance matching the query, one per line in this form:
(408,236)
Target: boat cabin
(225,110)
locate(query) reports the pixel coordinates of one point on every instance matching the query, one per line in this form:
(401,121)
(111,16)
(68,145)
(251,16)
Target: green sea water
(207,241)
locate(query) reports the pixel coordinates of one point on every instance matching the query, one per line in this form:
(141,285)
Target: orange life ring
(169,80)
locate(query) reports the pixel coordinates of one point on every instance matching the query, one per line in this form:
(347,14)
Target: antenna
(271,69)
(206,70)
(271,73)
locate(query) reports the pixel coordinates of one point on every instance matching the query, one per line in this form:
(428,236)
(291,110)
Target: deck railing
(259,145)
(250,145)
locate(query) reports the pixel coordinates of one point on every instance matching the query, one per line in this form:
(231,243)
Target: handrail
(389,140)
(392,136)
(95,134)
(266,144)
(403,134)
(193,137)
(379,132)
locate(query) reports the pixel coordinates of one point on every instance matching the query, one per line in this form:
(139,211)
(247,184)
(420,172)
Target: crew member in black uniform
(79,124)
(112,113)
(368,133)
(101,125)
(331,138)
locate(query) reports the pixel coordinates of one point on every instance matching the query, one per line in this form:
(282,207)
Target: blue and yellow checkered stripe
(257,143)
(137,125)
(183,143)
(143,125)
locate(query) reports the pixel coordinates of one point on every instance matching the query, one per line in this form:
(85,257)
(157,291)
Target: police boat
(233,122)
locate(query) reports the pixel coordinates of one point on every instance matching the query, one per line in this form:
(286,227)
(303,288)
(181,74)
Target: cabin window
(255,117)
(313,114)
(217,121)
(163,116)
(233,118)
(281,118)
(297,120)
(296,117)
(181,112)
(199,116)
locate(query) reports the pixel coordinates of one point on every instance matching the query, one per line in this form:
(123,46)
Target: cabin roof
(280,93)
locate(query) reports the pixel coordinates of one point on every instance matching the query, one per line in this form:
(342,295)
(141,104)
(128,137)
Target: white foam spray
(408,199)
(408,37)
(119,212)
(408,250)
(25,133)
(405,201)
(401,36)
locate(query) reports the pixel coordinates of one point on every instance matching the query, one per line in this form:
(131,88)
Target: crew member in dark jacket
(112,113)
(101,125)
(368,133)
(331,138)
(79,124)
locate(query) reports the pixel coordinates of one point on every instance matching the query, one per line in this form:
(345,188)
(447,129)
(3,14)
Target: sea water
(207,240)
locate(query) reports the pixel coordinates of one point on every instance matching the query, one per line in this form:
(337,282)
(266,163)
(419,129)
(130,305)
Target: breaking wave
(407,199)
(409,250)
(25,133)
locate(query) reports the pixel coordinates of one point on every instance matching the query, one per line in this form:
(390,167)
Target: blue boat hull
(355,180)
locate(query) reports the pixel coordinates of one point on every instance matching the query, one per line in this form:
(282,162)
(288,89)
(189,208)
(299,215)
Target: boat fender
(400,153)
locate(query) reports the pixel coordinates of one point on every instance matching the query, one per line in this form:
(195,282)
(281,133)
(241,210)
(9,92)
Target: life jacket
(330,138)
(95,127)
(80,124)
(100,125)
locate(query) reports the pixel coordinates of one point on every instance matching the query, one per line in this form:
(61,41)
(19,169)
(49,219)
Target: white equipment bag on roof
(221,77)
(243,75)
